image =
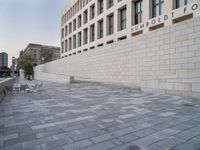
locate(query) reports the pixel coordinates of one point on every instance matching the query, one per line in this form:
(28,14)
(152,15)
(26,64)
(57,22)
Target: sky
(29,21)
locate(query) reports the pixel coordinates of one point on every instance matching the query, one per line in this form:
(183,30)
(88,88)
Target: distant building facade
(41,53)
(3,59)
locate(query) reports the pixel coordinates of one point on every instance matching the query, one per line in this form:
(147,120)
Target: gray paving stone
(128,137)
(101,138)
(123,131)
(170,142)
(144,132)
(101,146)
(88,115)
(37,147)
(146,141)
(77,145)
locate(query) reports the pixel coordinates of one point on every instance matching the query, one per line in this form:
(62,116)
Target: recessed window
(81,4)
(85,16)
(74,41)
(79,39)
(100,29)
(122,18)
(70,27)
(158,7)
(85,35)
(70,43)
(78,5)
(74,24)
(66,30)
(66,46)
(79,21)
(110,3)
(92,33)
(181,3)
(92,12)
(122,38)
(138,11)
(62,33)
(62,47)
(100,6)
(110,24)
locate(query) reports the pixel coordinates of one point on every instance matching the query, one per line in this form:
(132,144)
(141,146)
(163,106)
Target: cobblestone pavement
(90,116)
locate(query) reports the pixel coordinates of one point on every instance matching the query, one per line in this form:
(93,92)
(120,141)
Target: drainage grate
(133,147)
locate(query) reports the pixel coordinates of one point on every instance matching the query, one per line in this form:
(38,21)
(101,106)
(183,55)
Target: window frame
(110,24)
(138,13)
(92,11)
(122,21)
(110,3)
(154,7)
(100,6)
(100,29)
(92,32)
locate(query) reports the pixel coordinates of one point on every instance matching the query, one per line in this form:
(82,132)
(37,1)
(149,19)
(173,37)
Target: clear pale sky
(29,21)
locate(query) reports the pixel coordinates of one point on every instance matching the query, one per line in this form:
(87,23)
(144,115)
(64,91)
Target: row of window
(137,17)
(80,4)
(88,34)
(77,39)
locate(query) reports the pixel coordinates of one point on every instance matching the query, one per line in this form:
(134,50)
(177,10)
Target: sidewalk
(98,117)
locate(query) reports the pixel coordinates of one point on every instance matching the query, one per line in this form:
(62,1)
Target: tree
(26,63)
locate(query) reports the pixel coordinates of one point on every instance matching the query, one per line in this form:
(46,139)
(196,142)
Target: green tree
(26,63)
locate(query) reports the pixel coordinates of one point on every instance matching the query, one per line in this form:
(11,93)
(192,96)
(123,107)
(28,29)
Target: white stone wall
(166,60)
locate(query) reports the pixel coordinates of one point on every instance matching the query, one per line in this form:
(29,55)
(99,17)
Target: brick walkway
(97,117)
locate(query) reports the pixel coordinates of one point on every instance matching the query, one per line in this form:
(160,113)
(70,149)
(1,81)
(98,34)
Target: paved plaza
(89,116)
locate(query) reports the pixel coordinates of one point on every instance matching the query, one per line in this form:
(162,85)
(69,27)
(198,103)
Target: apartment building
(41,53)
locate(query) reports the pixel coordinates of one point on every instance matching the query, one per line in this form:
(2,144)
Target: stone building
(87,24)
(42,53)
(151,44)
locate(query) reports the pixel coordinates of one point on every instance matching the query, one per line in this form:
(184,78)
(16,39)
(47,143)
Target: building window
(158,6)
(122,18)
(66,30)
(92,12)
(110,24)
(70,43)
(79,39)
(70,27)
(100,29)
(79,21)
(74,41)
(138,11)
(62,47)
(100,6)
(92,33)
(62,34)
(66,45)
(110,3)
(74,24)
(85,16)
(180,3)
(78,8)
(81,4)
(85,36)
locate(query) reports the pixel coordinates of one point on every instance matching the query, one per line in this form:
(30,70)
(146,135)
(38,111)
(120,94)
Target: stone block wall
(166,60)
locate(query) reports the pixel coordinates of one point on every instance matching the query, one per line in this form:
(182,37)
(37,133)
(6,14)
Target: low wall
(166,60)
(3,84)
